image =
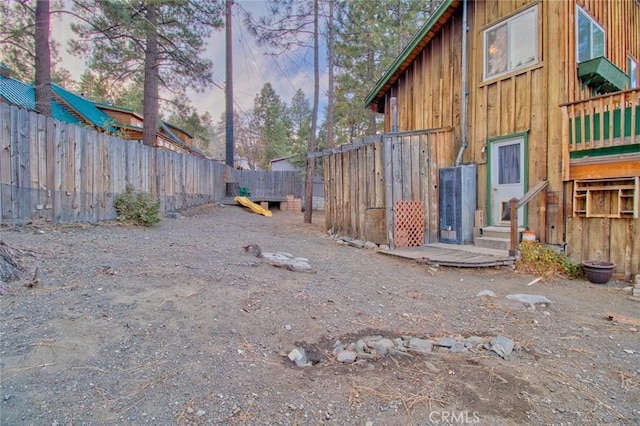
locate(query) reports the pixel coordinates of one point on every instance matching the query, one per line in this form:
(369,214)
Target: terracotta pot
(598,272)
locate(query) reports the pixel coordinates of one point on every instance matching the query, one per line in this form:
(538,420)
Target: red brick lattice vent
(408,224)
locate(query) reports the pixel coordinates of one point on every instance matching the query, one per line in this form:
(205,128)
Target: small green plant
(546,262)
(137,207)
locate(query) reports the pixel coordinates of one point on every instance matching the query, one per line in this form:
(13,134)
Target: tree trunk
(330,64)
(311,162)
(43,91)
(150,107)
(10,270)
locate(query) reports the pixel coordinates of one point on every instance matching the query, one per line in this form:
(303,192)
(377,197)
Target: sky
(252,68)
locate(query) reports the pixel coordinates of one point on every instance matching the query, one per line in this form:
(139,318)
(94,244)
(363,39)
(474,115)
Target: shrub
(137,207)
(546,262)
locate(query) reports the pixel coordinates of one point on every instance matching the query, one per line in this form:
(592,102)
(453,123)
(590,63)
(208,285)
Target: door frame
(525,171)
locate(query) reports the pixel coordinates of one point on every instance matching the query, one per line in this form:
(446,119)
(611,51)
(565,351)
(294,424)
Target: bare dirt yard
(179,324)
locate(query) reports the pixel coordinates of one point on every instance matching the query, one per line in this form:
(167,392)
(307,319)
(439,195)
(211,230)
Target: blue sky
(252,68)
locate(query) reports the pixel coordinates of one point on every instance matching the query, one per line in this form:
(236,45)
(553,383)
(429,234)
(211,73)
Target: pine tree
(160,40)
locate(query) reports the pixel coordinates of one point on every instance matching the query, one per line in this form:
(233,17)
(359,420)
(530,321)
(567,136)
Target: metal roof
(15,92)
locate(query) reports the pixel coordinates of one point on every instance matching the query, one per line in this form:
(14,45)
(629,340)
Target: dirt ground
(177,324)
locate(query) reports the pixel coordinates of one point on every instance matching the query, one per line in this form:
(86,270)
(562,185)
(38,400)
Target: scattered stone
(253,249)
(357,243)
(200,413)
(287,261)
(530,299)
(486,293)
(346,357)
(458,347)
(420,344)
(370,246)
(502,345)
(298,356)
(447,342)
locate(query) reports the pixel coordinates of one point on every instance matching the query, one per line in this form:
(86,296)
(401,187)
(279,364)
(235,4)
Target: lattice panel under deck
(408,224)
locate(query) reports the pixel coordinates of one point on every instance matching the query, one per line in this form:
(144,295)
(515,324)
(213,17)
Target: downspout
(463,112)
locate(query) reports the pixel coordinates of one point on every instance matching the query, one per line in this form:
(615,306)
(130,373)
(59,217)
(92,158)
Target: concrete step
(497,231)
(495,243)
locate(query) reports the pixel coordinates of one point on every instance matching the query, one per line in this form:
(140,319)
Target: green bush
(546,262)
(137,207)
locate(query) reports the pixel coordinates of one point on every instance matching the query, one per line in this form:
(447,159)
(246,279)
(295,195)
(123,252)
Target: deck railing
(609,124)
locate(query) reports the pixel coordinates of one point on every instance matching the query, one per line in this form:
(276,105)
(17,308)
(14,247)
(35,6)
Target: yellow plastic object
(256,208)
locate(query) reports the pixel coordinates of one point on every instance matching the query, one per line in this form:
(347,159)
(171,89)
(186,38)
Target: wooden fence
(59,172)
(270,186)
(364,180)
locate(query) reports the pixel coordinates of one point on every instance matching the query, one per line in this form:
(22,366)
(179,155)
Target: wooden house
(538,94)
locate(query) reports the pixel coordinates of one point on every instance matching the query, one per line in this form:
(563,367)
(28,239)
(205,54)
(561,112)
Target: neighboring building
(283,164)
(74,109)
(552,95)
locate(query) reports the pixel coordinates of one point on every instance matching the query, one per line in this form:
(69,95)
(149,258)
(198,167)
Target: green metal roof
(85,108)
(15,92)
(422,37)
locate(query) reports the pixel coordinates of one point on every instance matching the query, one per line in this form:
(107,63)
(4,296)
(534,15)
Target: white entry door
(507,179)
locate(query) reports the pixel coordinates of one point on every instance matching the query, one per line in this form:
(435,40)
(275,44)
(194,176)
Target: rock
(382,346)
(420,344)
(200,413)
(502,345)
(298,356)
(287,261)
(361,346)
(370,246)
(447,342)
(346,357)
(530,299)
(458,347)
(486,293)
(253,249)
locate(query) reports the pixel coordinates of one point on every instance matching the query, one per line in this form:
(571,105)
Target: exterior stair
(494,237)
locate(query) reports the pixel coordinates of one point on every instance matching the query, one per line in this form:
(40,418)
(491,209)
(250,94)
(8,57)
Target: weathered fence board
(63,173)
(377,172)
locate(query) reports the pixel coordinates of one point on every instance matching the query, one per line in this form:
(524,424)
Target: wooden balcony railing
(602,125)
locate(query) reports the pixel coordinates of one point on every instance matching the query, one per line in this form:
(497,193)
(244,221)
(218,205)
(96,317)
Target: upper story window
(632,68)
(511,44)
(591,39)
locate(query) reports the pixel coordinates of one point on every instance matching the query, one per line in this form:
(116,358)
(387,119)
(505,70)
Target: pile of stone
(379,347)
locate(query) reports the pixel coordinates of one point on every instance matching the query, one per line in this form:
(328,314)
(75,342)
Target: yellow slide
(253,206)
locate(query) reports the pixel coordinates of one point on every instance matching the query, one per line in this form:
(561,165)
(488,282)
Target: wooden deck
(460,256)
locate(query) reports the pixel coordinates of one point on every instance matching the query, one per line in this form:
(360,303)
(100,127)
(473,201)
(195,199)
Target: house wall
(601,238)
(526,101)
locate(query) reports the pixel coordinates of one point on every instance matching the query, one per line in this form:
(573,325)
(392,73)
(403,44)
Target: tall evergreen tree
(300,116)
(158,39)
(273,125)
(369,36)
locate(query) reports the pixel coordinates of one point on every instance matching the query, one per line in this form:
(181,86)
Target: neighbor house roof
(84,108)
(15,92)
(435,22)
(74,109)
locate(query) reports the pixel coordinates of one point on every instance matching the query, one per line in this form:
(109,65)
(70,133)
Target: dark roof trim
(413,48)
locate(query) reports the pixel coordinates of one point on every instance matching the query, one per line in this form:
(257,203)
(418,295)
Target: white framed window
(632,68)
(590,35)
(511,44)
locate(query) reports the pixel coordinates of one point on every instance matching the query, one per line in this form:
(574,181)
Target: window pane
(584,38)
(522,40)
(597,41)
(496,48)
(632,66)
(509,164)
